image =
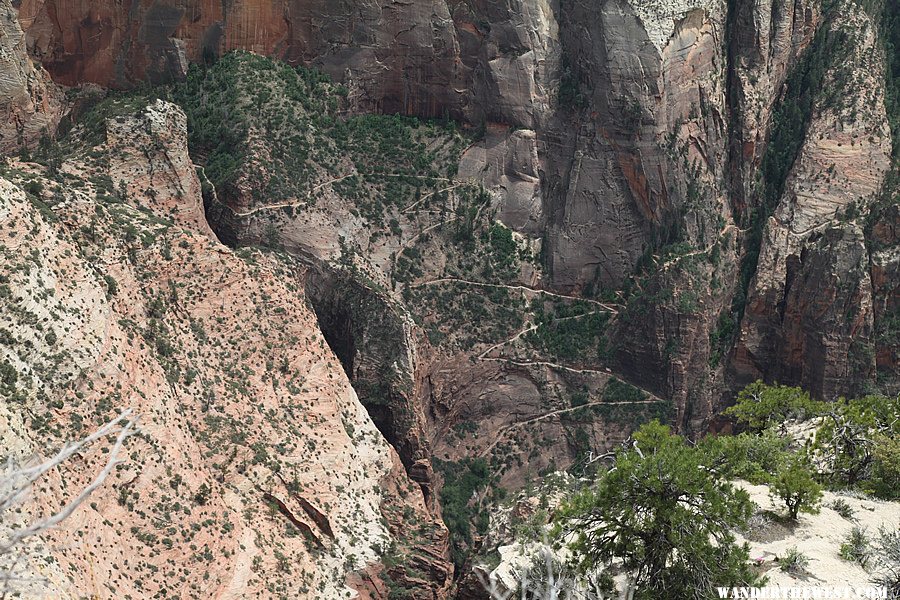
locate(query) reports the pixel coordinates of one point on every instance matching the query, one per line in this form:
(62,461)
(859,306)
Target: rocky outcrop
(251,434)
(149,164)
(809,317)
(30,104)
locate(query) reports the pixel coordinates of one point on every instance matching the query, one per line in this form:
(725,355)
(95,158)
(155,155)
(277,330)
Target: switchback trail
(501,433)
(528,290)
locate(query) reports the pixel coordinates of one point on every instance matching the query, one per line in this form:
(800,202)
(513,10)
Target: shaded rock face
(370,337)
(885,273)
(30,104)
(766,39)
(809,316)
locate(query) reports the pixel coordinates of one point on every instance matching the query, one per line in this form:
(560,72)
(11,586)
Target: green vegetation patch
(282,132)
(462,480)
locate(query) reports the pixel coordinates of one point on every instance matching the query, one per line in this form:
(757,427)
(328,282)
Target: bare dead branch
(17,481)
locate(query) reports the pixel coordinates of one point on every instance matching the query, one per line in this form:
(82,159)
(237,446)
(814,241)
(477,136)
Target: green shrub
(461,480)
(843,508)
(856,548)
(795,487)
(793,562)
(759,405)
(746,456)
(621,391)
(663,516)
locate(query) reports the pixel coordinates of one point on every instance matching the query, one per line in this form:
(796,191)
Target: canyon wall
(256,470)
(624,140)
(30,105)
(605,222)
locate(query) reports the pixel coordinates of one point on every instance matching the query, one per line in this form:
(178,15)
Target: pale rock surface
(30,104)
(236,390)
(149,161)
(814,265)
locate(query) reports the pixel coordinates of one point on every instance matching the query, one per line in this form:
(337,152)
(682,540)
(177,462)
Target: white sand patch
(820,536)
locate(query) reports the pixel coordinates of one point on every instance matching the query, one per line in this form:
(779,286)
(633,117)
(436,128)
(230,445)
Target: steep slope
(256,471)
(809,316)
(30,104)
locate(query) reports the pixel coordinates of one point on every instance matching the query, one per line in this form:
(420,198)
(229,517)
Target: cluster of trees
(665,513)
(854,443)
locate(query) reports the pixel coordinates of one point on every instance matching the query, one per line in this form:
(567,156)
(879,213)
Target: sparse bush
(887,560)
(858,443)
(856,548)
(843,508)
(793,562)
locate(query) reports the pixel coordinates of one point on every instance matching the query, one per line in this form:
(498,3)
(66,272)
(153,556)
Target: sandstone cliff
(256,469)
(810,308)
(30,104)
(625,209)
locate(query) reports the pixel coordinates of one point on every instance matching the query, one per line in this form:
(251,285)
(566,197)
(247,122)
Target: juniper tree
(663,516)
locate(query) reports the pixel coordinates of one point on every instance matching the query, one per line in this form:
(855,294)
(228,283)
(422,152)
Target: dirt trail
(528,290)
(501,433)
(316,188)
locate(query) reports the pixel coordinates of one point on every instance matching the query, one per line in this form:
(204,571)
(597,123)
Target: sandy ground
(819,537)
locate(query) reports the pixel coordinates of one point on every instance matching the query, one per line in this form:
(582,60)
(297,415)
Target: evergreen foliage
(666,516)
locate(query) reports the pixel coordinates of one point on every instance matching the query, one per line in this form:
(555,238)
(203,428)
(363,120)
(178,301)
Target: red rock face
(885,272)
(396,57)
(30,105)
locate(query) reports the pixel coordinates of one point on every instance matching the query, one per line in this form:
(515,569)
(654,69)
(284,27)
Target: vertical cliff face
(396,57)
(884,244)
(30,104)
(809,315)
(765,41)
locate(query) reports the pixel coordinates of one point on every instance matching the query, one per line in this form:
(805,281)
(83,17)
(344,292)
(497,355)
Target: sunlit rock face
(254,455)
